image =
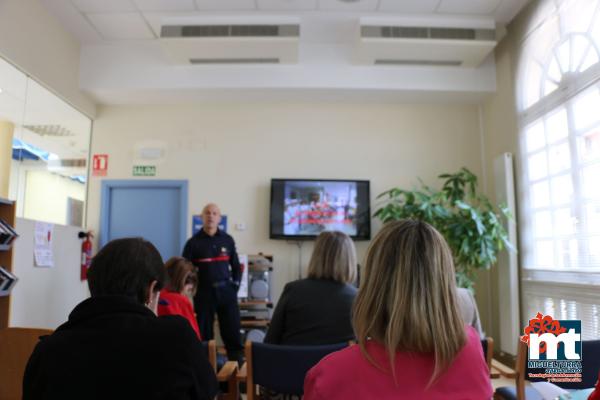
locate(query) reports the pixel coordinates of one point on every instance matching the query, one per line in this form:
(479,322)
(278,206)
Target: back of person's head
(407,299)
(181,272)
(126,267)
(334,258)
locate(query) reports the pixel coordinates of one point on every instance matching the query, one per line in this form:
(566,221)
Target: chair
(590,350)
(16,346)
(280,368)
(488,351)
(227,373)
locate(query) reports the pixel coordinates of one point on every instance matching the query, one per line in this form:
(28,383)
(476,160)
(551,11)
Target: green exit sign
(144,170)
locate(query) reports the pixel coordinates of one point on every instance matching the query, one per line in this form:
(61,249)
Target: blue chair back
(283,368)
(590,352)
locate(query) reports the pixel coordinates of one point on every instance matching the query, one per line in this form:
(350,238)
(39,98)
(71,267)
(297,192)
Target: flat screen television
(303,208)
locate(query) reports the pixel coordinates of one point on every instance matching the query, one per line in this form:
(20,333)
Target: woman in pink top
(412,342)
(175,297)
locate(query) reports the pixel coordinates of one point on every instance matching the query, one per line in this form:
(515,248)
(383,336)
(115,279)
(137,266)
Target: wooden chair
(488,352)
(590,350)
(16,346)
(227,373)
(280,368)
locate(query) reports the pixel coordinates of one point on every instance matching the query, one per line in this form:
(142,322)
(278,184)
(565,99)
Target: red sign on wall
(99,164)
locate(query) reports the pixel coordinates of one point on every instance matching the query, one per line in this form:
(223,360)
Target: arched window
(558,88)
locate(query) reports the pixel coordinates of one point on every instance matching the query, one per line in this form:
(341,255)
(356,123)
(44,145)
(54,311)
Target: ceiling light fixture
(1,90)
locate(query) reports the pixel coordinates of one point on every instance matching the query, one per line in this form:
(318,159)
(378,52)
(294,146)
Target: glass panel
(591,186)
(562,190)
(569,254)
(563,54)
(591,58)
(540,194)
(542,222)
(564,222)
(593,251)
(592,217)
(53,174)
(554,72)
(549,87)
(544,253)
(537,166)
(589,146)
(585,107)
(576,15)
(556,126)
(560,158)
(534,135)
(579,47)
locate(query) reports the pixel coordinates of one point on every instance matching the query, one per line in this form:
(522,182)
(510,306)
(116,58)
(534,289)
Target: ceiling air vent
(383,43)
(222,43)
(208,31)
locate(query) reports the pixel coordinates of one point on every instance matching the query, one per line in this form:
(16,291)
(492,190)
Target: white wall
(44,297)
(229,153)
(34,40)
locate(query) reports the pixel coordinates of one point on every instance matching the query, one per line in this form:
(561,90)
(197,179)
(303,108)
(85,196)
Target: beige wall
(34,40)
(46,196)
(500,135)
(229,153)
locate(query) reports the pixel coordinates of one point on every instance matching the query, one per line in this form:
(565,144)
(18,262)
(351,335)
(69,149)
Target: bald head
(211,217)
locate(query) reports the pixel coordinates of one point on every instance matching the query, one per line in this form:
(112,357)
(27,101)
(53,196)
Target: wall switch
(240,226)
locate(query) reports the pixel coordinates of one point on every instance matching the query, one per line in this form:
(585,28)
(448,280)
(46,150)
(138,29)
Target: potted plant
(471,225)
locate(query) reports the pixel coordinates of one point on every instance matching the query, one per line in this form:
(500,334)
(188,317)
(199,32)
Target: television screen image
(305,208)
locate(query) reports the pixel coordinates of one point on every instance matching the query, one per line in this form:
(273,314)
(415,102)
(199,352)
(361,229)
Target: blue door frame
(108,185)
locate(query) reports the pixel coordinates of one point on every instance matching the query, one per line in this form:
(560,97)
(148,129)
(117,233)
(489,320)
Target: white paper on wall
(243,291)
(42,248)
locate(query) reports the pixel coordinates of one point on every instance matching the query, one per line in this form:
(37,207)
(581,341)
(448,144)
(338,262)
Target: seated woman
(467,306)
(412,341)
(317,310)
(175,297)
(113,346)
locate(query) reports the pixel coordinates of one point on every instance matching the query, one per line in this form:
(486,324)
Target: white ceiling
(122,60)
(93,21)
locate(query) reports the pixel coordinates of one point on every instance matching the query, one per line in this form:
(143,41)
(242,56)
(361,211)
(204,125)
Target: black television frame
(313,237)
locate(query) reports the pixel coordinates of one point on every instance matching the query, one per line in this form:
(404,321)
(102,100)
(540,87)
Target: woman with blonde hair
(317,310)
(412,341)
(181,287)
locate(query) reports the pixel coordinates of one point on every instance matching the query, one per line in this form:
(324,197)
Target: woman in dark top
(317,310)
(113,346)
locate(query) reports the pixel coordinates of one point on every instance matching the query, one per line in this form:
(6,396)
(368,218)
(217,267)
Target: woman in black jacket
(317,310)
(114,346)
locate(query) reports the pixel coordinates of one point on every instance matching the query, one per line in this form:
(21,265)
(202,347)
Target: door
(155,210)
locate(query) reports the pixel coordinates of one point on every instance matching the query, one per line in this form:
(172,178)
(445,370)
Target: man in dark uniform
(213,253)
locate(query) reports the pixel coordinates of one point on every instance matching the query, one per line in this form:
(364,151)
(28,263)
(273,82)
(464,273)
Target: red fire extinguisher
(86,253)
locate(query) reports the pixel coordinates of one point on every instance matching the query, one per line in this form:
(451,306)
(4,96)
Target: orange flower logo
(542,324)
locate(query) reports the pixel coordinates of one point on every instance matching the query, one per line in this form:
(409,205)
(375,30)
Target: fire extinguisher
(86,252)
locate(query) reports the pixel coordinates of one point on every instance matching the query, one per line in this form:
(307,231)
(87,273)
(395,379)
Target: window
(50,145)
(559,99)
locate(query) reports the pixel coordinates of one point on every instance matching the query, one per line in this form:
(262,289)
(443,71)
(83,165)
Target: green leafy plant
(471,225)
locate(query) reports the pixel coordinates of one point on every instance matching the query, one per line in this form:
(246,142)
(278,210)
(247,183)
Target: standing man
(213,253)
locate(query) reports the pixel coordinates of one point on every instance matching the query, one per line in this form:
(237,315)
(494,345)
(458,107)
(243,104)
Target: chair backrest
(16,346)
(488,350)
(283,368)
(210,349)
(590,350)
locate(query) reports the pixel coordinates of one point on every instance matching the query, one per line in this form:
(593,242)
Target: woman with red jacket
(175,297)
